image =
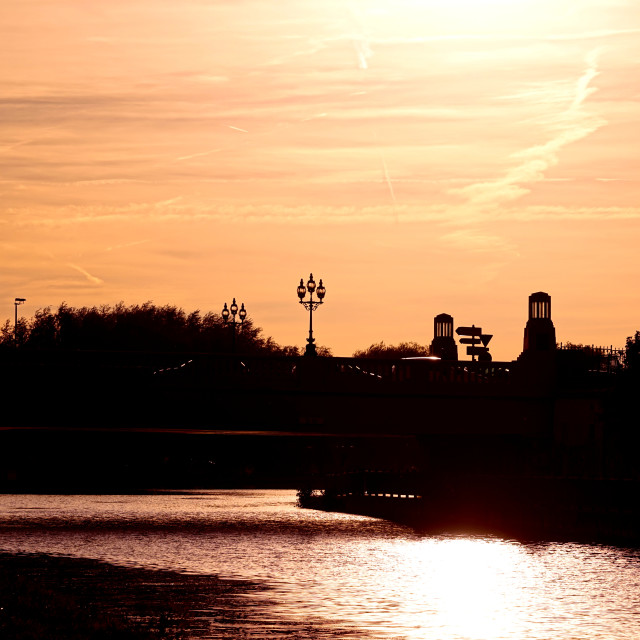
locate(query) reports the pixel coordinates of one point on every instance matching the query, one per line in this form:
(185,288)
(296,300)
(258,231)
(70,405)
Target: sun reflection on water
(466,584)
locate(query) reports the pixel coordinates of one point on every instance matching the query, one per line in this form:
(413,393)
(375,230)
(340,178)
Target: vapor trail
(197,155)
(387,178)
(571,125)
(86,274)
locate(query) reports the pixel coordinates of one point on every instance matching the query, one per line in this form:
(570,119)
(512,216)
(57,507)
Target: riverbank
(61,598)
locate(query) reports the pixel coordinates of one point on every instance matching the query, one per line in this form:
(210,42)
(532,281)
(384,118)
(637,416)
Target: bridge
(206,394)
(273,394)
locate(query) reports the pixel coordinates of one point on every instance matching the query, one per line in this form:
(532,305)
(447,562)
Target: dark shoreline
(62,598)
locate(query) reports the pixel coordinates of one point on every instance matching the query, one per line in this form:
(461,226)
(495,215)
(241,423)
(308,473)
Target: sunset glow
(420,157)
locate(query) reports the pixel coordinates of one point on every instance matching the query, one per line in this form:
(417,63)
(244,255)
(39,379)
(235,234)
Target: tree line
(401,350)
(144,327)
(149,327)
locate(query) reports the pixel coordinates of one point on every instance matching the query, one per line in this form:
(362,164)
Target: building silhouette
(539,332)
(443,344)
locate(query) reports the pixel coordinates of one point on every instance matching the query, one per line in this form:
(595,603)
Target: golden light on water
(465,585)
(471,579)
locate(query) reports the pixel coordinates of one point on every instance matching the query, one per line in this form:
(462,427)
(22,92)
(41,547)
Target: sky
(421,157)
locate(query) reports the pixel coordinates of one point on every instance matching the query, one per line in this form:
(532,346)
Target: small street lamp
(16,303)
(311,305)
(233,311)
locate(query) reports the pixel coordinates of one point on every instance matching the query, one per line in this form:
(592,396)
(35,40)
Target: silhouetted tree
(632,353)
(6,334)
(576,357)
(43,329)
(402,350)
(145,327)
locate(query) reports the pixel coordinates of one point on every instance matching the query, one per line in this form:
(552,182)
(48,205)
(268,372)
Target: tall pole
(310,340)
(16,303)
(233,336)
(311,305)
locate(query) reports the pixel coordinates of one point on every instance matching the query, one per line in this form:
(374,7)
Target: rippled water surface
(357,571)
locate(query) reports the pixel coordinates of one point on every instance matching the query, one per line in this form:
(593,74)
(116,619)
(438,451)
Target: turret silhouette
(443,344)
(539,334)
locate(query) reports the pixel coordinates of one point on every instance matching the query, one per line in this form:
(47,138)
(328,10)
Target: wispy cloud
(92,279)
(126,245)
(570,125)
(361,41)
(199,155)
(477,241)
(191,210)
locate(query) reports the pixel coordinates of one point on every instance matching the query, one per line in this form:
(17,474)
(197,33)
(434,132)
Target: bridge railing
(427,370)
(593,359)
(256,369)
(369,371)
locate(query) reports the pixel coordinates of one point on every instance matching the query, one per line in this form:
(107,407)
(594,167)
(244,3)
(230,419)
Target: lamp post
(233,311)
(16,303)
(311,305)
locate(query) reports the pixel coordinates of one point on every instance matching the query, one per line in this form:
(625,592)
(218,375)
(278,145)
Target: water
(352,570)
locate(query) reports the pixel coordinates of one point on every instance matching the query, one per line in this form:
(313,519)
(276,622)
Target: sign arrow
(477,351)
(469,331)
(473,340)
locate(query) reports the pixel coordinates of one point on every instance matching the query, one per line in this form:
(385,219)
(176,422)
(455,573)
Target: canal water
(354,571)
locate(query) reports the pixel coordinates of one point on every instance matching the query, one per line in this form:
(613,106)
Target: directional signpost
(469,331)
(476,337)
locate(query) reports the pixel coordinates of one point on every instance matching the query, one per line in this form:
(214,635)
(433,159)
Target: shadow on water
(93,600)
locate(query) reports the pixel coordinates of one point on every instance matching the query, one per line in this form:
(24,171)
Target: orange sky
(421,157)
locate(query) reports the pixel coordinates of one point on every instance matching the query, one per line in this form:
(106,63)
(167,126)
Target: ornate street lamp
(16,302)
(233,311)
(311,305)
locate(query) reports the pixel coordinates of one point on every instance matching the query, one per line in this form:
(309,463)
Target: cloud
(92,279)
(199,155)
(190,210)
(472,240)
(126,245)
(363,52)
(571,125)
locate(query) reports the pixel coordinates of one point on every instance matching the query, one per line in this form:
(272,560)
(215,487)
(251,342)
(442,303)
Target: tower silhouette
(443,344)
(539,333)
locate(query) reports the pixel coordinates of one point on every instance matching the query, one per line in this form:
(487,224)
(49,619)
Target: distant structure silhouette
(539,332)
(443,344)
(311,305)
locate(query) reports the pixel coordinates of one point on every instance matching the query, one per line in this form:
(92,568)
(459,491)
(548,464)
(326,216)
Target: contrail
(384,168)
(86,274)
(572,125)
(237,129)
(197,155)
(20,143)
(363,51)
(360,42)
(126,244)
(318,115)
(387,178)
